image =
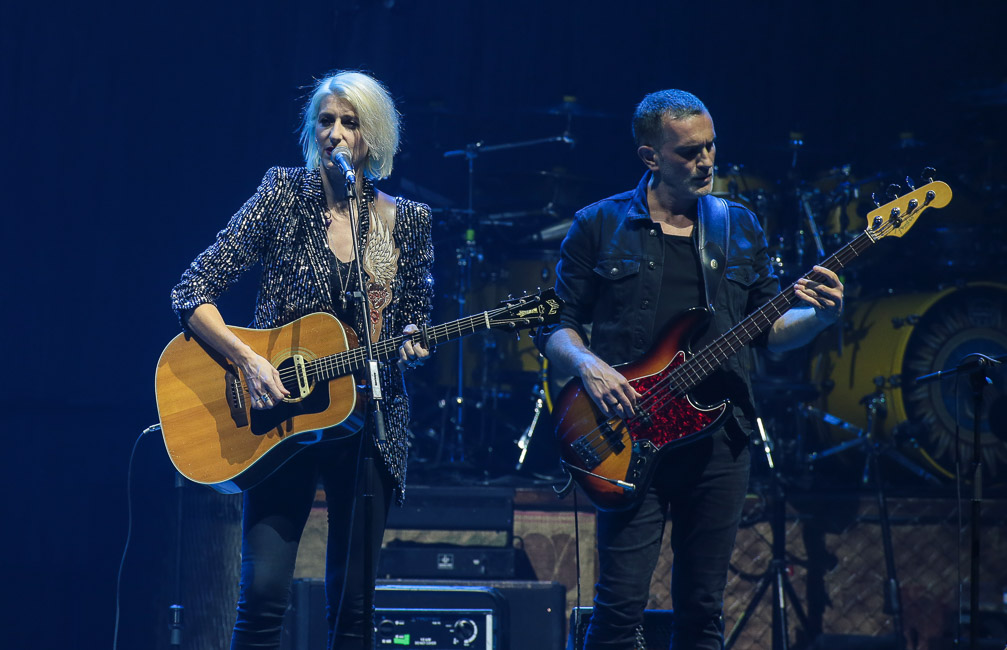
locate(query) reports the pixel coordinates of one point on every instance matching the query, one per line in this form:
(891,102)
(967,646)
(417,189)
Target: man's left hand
(826,297)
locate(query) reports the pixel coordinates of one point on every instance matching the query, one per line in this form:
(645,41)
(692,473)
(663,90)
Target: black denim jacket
(610,271)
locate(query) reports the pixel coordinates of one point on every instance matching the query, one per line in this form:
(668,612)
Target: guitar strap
(713,235)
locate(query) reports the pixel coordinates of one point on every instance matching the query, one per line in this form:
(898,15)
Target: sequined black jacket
(282,226)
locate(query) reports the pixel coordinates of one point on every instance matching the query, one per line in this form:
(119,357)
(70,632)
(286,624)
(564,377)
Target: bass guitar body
(212,434)
(612,459)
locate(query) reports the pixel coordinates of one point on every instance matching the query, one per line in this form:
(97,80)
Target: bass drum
(887,343)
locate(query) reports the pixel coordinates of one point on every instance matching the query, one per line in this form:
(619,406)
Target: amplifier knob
(465,630)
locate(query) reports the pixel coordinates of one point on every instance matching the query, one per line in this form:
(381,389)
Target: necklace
(343,283)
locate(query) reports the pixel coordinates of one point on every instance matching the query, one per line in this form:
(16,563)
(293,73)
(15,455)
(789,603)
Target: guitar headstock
(896,217)
(530,310)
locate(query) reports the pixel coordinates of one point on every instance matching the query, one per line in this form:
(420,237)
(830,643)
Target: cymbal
(557,175)
(571,108)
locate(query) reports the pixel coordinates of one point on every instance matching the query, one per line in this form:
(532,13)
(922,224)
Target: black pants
(701,489)
(275,512)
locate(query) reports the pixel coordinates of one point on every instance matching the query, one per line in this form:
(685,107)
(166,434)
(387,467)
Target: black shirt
(681,281)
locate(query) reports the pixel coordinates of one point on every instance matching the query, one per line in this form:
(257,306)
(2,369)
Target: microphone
(342,159)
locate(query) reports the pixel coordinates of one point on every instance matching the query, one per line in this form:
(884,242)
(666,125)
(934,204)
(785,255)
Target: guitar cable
(129,527)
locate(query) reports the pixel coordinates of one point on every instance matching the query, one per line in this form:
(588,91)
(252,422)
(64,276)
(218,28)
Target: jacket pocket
(620,284)
(733,296)
(617,269)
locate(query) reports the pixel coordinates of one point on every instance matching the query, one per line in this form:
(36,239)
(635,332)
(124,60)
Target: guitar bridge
(235,399)
(301,372)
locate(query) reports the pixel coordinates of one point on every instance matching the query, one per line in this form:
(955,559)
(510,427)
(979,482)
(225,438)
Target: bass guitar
(613,459)
(215,438)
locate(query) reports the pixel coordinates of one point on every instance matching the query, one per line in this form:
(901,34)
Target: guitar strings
(346,361)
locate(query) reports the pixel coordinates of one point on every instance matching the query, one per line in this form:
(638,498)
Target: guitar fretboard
(349,361)
(686,376)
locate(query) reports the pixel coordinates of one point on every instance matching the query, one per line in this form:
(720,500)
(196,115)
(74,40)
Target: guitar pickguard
(670,419)
(280,416)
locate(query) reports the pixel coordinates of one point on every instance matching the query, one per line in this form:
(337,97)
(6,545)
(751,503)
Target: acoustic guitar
(215,438)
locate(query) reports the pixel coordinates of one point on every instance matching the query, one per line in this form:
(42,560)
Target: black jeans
(275,512)
(701,489)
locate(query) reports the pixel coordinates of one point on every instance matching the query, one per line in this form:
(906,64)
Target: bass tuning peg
(893,191)
(874,197)
(910,184)
(928,174)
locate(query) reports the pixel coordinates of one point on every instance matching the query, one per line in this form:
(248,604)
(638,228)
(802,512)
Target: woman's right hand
(265,389)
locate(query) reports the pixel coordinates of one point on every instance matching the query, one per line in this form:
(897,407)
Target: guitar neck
(349,361)
(704,362)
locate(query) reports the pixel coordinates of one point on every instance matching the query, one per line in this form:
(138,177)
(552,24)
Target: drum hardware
(812,226)
(978,367)
(522,443)
(796,143)
(465,255)
(876,407)
(776,574)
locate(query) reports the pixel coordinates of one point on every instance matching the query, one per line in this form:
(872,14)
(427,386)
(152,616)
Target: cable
(576,546)
(129,526)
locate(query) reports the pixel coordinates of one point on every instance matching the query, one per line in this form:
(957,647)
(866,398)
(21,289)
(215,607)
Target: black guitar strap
(712,236)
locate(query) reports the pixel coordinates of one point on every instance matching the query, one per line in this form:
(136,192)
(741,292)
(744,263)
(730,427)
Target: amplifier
(435,629)
(483,615)
(446,562)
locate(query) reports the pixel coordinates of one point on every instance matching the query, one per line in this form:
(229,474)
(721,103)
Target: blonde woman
(297,226)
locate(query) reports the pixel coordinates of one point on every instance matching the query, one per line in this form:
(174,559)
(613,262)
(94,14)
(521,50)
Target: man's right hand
(607,387)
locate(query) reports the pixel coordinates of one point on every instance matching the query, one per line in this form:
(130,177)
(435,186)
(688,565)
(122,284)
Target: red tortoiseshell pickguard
(672,419)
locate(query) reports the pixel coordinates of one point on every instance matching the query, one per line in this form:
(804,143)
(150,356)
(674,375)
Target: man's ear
(648,155)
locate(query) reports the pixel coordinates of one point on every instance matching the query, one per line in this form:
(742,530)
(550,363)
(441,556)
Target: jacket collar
(638,207)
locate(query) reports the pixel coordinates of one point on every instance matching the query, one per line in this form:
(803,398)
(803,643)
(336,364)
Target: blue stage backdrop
(134,130)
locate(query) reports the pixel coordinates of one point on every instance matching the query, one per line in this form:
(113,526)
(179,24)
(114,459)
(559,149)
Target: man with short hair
(629,266)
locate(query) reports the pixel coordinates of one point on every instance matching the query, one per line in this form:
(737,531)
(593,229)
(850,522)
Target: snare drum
(888,342)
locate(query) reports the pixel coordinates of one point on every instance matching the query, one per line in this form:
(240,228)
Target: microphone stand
(366,478)
(978,367)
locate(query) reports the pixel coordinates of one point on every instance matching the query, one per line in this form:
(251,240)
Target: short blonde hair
(379,120)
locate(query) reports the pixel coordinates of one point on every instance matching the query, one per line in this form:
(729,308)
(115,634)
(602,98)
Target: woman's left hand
(411,355)
(826,297)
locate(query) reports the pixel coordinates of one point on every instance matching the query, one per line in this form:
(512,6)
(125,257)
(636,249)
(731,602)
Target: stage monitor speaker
(656,628)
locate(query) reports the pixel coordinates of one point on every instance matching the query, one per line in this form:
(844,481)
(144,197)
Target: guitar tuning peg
(893,191)
(928,174)
(910,184)
(874,197)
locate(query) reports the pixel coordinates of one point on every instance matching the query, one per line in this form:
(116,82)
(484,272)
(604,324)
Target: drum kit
(916,307)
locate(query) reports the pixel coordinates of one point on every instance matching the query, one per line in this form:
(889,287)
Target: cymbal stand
(776,574)
(525,440)
(876,408)
(466,255)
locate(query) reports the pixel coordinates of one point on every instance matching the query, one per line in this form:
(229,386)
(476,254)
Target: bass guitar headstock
(896,217)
